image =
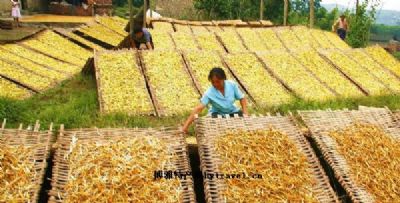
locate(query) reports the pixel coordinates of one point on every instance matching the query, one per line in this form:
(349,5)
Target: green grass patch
(397,55)
(74,104)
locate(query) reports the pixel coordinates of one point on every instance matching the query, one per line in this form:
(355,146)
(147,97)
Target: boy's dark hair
(217,72)
(137,30)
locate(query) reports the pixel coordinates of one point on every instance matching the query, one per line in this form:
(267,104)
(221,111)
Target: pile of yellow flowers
(232,41)
(356,72)
(172,85)
(162,40)
(251,39)
(321,38)
(184,41)
(122,85)
(290,39)
(29,65)
(208,41)
(285,170)
(327,73)
(163,27)
(85,42)
(214,29)
(112,24)
(121,170)
(265,90)
(17,173)
(12,90)
(372,158)
(376,69)
(383,57)
(119,20)
(103,34)
(305,36)
(183,28)
(39,83)
(42,59)
(55,40)
(199,29)
(52,51)
(201,63)
(336,41)
(296,77)
(269,37)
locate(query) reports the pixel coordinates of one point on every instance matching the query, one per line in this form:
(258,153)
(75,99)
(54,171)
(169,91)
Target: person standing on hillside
(15,11)
(341,27)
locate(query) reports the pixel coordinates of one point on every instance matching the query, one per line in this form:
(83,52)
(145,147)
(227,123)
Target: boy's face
(139,35)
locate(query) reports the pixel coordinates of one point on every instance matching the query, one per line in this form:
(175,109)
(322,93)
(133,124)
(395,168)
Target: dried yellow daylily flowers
(286,174)
(373,159)
(17,173)
(121,170)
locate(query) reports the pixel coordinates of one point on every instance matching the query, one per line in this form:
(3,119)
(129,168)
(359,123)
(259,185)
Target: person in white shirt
(15,11)
(341,27)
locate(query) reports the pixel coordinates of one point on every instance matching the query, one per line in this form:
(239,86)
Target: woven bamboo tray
(208,129)
(44,65)
(46,54)
(359,85)
(242,84)
(99,84)
(172,137)
(40,141)
(396,116)
(377,62)
(24,84)
(380,63)
(65,34)
(122,32)
(40,63)
(52,46)
(346,53)
(160,109)
(79,32)
(78,57)
(321,123)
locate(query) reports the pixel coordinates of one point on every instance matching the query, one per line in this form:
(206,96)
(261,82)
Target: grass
(397,55)
(16,34)
(74,104)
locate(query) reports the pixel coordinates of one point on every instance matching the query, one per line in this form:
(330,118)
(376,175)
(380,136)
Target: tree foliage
(361,23)
(228,9)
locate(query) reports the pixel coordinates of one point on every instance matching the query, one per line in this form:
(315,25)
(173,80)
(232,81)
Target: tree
(325,19)
(229,9)
(361,23)
(274,10)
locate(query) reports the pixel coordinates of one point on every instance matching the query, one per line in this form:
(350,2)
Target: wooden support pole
(312,15)
(151,10)
(285,12)
(130,17)
(357,5)
(3,125)
(145,6)
(261,9)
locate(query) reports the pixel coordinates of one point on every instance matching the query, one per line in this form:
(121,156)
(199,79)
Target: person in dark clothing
(142,36)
